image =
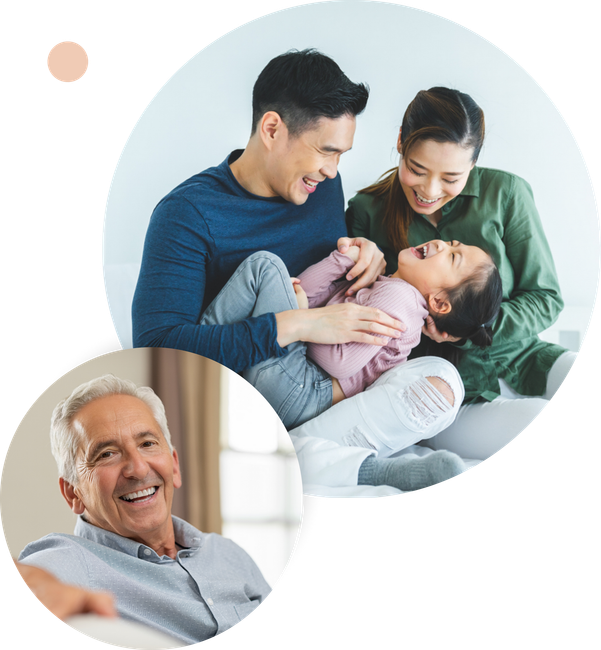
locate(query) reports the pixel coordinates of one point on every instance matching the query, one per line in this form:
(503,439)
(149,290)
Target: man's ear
(71,497)
(271,127)
(177,477)
(439,303)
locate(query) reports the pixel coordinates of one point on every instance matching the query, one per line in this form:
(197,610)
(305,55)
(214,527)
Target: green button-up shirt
(496,212)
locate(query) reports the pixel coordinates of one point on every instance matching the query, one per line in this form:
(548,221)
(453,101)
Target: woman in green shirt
(437,192)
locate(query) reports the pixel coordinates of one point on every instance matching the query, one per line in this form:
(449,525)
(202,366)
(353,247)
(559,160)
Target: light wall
(32,505)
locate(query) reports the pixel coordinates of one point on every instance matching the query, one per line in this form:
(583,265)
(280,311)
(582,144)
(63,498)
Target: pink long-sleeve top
(358,365)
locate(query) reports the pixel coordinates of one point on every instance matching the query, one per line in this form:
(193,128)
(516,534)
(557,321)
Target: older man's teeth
(425,251)
(138,495)
(422,200)
(310,183)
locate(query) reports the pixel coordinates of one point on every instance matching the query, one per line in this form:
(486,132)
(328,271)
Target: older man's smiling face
(126,471)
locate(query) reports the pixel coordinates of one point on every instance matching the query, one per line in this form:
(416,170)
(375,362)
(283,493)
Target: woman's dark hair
(439,114)
(304,86)
(475,305)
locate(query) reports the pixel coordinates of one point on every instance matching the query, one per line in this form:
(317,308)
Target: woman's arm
(535,302)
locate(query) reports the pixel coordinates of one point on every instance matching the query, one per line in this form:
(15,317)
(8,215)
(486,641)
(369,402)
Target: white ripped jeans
(398,410)
(482,429)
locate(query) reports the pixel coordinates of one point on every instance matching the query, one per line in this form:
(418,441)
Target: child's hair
(475,305)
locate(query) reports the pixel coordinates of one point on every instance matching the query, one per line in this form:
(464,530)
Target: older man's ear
(177,477)
(68,492)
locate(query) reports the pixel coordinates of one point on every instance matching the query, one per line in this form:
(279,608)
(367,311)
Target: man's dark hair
(303,87)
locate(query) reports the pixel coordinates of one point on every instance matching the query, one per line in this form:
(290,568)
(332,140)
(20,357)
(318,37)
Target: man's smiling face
(298,164)
(126,472)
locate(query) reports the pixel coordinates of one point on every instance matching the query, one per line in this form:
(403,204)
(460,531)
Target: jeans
(295,386)
(398,410)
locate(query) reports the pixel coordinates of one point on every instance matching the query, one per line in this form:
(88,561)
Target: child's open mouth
(421,253)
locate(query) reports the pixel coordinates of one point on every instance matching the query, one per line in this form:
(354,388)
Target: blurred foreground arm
(65,600)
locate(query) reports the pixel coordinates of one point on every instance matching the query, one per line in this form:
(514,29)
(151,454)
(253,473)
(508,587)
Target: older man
(118,471)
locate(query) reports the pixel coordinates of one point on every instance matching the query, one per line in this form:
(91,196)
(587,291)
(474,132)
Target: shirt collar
(472,188)
(185,535)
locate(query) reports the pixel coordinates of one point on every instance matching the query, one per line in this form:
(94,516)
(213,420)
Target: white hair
(64,438)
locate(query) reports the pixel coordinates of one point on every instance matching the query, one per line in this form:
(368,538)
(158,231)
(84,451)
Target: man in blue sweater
(283,194)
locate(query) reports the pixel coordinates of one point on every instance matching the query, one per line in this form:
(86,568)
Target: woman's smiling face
(433,173)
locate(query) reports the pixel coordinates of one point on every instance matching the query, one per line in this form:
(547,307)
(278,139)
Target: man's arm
(171,289)
(345,360)
(334,324)
(346,323)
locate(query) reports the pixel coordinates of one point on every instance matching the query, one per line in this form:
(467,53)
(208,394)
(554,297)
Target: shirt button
(147,551)
(209,601)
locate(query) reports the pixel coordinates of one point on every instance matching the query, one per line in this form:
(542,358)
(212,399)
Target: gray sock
(409,474)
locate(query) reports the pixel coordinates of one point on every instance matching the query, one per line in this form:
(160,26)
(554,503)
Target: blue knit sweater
(198,235)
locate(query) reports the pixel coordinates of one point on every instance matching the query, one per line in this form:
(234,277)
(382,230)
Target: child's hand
(353,253)
(301,296)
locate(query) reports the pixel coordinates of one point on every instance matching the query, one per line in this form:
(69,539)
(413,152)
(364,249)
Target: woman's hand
(343,323)
(301,296)
(430,330)
(369,266)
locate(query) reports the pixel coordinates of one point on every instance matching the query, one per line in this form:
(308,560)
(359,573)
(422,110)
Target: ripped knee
(443,388)
(427,401)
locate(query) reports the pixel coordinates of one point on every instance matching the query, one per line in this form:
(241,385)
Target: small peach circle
(67,61)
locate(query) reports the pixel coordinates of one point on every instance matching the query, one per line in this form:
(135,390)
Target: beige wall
(31,503)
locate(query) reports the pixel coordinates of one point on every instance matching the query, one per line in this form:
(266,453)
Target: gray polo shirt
(211,585)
